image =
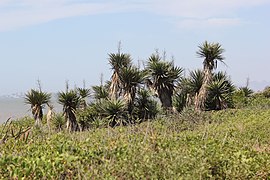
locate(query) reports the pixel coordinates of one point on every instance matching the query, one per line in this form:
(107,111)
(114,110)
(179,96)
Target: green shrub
(58,122)
(266,92)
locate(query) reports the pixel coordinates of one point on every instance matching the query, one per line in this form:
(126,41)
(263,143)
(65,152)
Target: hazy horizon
(15,108)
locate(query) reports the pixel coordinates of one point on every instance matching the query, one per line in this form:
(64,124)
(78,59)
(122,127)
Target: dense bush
(255,101)
(266,92)
(58,122)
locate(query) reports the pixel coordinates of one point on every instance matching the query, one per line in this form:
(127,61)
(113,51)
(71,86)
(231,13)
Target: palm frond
(113,110)
(100,92)
(69,100)
(220,92)
(36,97)
(145,105)
(246,91)
(195,81)
(119,60)
(211,52)
(84,92)
(131,77)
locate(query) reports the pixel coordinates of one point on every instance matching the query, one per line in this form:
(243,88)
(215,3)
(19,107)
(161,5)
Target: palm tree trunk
(166,100)
(38,122)
(113,93)
(72,124)
(129,96)
(37,113)
(201,97)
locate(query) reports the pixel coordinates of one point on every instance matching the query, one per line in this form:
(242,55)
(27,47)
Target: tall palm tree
(162,79)
(70,101)
(130,78)
(117,62)
(212,53)
(37,99)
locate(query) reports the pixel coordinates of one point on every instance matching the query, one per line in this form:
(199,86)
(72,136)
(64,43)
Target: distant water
(16,108)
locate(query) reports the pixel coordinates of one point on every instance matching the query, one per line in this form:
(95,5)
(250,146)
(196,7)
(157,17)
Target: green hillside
(231,144)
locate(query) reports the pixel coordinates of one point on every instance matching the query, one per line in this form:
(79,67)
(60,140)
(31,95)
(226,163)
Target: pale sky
(59,40)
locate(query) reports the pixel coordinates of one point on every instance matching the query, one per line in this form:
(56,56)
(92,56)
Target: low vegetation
(231,144)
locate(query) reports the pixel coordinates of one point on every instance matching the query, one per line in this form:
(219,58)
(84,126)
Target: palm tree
(100,92)
(212,53)
(70,101)
(220,92)
(117,62)
(84,93)
(162,78)
(195,82)
(130,78)
(246,90)
(37,99)
(113,110)
(145,105)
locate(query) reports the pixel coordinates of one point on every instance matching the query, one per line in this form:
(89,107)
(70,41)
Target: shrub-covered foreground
(231,144)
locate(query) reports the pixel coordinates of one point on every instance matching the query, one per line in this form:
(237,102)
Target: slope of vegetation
(233,144)
(144,123)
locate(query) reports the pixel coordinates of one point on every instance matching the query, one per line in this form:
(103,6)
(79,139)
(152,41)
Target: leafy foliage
(131,78)
(69,100)
(84,92)
(58,122)
(234,146)
(266,92)
(246,91)
(119,60)
(220,92)
(100,92)
(113,110)
(180,101)
(145,106)
(195,82)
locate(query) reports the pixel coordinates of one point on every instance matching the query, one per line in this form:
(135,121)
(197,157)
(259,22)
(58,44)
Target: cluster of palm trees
(135,94)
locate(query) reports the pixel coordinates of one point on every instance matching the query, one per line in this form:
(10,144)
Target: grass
(230,144)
